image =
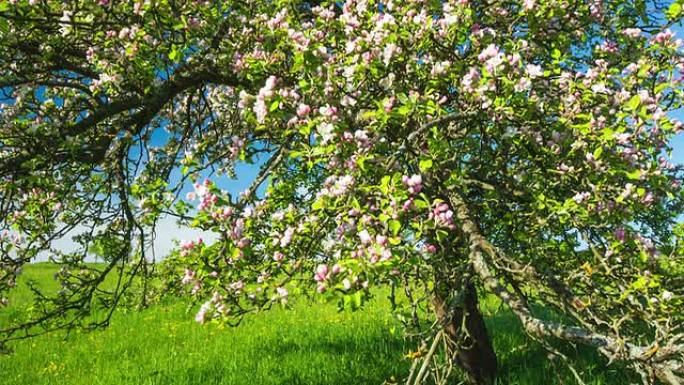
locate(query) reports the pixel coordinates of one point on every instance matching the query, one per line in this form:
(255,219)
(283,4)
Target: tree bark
(470,346)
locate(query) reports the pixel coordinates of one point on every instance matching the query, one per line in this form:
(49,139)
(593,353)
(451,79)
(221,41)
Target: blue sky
(678,149)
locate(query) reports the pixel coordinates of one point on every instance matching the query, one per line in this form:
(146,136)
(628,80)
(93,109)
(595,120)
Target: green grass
(311,344)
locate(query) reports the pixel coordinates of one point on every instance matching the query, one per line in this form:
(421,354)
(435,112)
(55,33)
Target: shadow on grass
(368,360)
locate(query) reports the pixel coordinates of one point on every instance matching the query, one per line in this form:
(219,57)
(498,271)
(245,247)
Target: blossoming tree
(446,149)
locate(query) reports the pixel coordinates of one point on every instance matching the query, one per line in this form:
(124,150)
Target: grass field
(307,345)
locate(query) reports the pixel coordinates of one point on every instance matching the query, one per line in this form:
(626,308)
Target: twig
(426,360)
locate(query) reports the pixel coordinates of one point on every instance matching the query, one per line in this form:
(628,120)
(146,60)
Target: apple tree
(449,150)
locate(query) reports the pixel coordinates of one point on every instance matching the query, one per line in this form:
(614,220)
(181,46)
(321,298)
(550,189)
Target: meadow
(310,344)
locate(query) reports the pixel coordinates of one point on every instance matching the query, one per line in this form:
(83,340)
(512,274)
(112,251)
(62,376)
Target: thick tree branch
(667,364)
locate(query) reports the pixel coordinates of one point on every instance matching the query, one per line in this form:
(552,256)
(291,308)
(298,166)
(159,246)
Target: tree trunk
(472,349)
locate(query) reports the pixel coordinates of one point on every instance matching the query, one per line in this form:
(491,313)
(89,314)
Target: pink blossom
(524,84)
(361,137)
(188,277)
(430,248)
(443,216)
(282,292)
(287,237)
(648,198)
(663,36)
(365,237)
(631,32)
(388,52)
(242,243)
(203,312)
(196,287)
(328,112)
(623,138)
(596,8)
(469,80)
(414,183)
(237,286)
(90,54)
(336,186)
(381,240)
(388,104)
(491,51)
(303,110)
(581,197)
(534,71)
(216,297)
(321,273)
(278,20)
(266,92)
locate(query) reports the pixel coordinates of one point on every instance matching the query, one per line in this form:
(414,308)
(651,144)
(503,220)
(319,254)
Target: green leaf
(421,204)
(643,71)
(176,54)
(660,88)
(384,184)
(598,152)
(305,130)
(675,10)
(318,204)
(403,110)
(358,300)
(633,103)
(395,227)
(425,165)
(634,175)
